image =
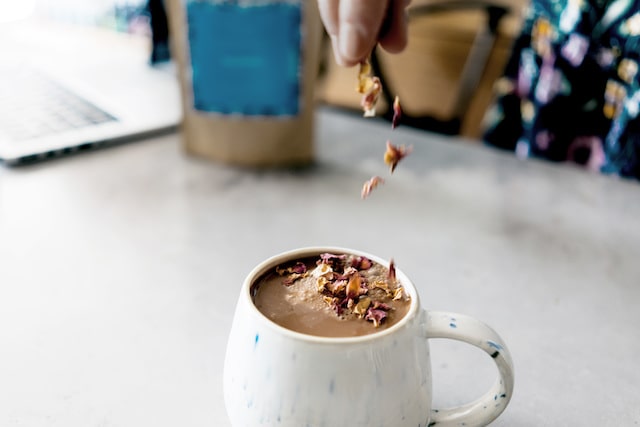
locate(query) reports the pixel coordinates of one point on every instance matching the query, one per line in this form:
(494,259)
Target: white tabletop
(120,268)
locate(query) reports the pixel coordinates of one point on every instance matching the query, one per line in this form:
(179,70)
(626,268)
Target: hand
(356,26)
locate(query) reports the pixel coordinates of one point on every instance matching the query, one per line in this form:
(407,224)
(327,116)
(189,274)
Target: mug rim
(302,252)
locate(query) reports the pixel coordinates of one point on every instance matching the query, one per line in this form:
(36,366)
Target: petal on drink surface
(354,285)
(376,316)
(362,306)
(362,263)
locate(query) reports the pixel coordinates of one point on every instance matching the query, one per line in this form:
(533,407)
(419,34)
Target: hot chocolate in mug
(274,376)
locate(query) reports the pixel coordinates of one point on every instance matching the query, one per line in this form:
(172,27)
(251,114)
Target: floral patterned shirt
(571,90)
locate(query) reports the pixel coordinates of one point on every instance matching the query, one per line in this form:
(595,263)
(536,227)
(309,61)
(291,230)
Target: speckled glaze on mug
(276,377)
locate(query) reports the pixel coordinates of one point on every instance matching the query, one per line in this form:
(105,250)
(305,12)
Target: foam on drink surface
(332,295)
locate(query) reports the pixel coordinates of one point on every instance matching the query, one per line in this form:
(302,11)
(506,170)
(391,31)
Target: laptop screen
(77,73)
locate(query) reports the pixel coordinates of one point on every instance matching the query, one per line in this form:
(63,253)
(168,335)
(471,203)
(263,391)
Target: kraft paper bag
(247,71)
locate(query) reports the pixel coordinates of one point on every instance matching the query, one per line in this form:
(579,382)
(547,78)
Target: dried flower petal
(397,113)
(370,98)
(298,268)
(381,285)
(334,303)
(327,258)
(364,77)
(371,184)
(394,154)
(344,284)
(290,279)
(321,283)
(392,271)
(376,316)
(361,307)
(337,287)
(362,263)
(370,87)
(349,271)
(379,305)
(329,300)
(322,270)
(353,287)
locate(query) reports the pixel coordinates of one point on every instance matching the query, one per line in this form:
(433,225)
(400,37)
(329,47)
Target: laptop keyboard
(32,106)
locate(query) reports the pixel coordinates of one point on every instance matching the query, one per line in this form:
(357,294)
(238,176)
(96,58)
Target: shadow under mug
(277,377)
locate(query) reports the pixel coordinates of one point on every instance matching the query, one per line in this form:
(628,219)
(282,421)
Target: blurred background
(122,15)
(457,50)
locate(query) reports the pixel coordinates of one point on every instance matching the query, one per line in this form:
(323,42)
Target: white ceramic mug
(277,377)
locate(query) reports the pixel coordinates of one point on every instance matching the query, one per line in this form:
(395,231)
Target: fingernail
(351,42)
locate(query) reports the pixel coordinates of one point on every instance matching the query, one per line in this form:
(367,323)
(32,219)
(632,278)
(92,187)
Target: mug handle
(472,331)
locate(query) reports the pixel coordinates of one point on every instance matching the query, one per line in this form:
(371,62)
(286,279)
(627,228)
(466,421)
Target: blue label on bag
(245,59)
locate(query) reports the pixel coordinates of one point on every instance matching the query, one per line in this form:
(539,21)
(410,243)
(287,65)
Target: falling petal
(392,271)
(370,185)
(397,113)
(394,154)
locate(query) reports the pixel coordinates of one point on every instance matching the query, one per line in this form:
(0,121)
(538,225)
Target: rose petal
(370,185)
(337,287)
(379,305)
(361,307)
(323,270)
(392,271)
(354,286)
(394,154)
(398,294)
(376,316)
(290,279)
(370,98)
(364,77)
(334,303)
(328,258)
(362,263)
(299,268)
(397,113)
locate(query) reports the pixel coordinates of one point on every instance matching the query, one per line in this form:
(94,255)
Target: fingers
(360,22)
(356,26)
(329,15)
(393,37)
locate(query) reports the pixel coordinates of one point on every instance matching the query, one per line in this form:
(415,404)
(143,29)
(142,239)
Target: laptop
(69,87)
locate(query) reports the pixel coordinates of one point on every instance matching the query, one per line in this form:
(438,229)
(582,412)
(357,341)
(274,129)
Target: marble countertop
(120,269)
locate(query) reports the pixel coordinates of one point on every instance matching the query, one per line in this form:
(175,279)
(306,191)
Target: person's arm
(356,26)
